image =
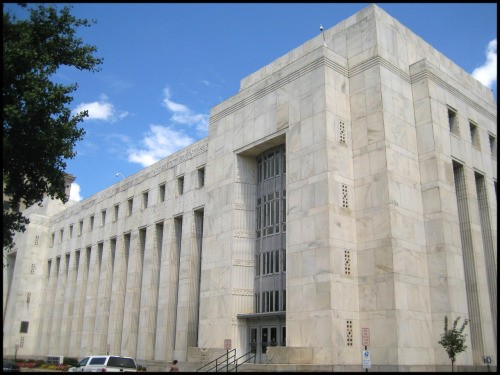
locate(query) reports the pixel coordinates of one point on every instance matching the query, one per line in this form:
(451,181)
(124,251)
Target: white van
(105,363)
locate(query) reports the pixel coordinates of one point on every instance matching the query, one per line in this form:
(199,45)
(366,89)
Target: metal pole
(227,360)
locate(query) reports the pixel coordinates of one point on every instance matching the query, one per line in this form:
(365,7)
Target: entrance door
(261,338)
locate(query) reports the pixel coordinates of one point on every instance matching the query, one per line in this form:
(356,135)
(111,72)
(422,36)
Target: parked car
(105,363)
(10,366)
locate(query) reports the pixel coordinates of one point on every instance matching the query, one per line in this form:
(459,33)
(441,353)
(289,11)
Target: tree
(453,340)
(39,131)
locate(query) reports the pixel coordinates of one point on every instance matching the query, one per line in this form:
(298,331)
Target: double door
(262,337)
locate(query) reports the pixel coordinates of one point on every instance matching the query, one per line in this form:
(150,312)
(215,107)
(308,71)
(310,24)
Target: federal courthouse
(345,196)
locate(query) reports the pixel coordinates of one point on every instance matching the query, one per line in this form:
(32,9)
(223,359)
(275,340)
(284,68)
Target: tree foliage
(453,340)
(39,131)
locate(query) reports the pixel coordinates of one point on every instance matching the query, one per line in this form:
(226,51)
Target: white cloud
(487,73)
(183,115)
(101,110)
(163,140)
(74,194)
(159,142)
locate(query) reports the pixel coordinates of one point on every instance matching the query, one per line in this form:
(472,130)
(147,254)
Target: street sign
(487,360)
(367,363)
(365,336)
(227,344)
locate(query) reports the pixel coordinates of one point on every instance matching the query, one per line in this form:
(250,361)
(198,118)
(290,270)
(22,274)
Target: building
(346,196)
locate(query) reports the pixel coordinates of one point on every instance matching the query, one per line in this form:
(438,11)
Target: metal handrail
(226,363)
(245,361)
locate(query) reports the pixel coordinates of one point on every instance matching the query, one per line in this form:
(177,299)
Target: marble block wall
(391,220)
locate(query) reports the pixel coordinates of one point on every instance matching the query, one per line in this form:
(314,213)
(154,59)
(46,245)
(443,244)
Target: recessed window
(53,239)
(103,217)
(453,121)
(474,135)
(145,199)
(130,203)
(116,210)
(71,231)
(24,327)
(61,233)
(493,145)
(80,228)
(162,192)
(180,185)
(91,223)
(201,177)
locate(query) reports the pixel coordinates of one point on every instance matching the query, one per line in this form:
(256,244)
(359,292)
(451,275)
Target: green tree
(39,131)
(453,340)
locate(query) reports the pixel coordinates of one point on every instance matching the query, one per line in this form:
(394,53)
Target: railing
(252,356)
(223,362)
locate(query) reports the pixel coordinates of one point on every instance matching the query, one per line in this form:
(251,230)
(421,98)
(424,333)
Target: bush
(72,362)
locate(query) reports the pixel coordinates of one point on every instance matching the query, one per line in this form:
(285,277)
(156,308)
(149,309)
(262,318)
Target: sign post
(487,360)
(365,338)
(227,346)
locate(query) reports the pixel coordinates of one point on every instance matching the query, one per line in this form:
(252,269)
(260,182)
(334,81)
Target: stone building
(345,196)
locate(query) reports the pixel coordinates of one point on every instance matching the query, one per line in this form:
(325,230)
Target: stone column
(149,293)
(47,316)
(69,302)
(104,297)
(184,308)
(165,323)
(91,300)
(80,293)
(133,294)
(55,346)
(116,310)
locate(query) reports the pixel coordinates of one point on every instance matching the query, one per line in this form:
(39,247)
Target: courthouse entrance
(265,332)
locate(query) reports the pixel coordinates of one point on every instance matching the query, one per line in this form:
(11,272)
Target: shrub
(72,362)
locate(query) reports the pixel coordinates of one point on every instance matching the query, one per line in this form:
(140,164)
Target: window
(349,332)
(24,327)
(61,232)
(52,240)
(130,203)
(162,192)
(80,229)
(474,135)
(71,231)
(201,177)
(103,217)
(145,199)
(91,223)
(347,262)
(453,121)
(345,197)
(97,361)
(116,210)
(493,145)
(180,185)
(342,134)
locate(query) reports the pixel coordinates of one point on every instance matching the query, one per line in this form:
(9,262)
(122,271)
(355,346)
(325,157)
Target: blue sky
(166,65)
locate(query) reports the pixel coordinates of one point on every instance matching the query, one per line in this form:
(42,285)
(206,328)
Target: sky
(167,64)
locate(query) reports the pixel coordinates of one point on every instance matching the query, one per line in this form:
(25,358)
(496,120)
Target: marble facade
(391,221)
